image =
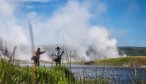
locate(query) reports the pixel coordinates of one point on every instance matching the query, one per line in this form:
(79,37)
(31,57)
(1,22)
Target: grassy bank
(124,61)
(14,74)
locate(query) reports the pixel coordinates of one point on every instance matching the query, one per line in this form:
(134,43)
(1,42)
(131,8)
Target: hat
(57,48)
(38,49)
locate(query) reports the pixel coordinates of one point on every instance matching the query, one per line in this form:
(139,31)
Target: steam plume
(70,22)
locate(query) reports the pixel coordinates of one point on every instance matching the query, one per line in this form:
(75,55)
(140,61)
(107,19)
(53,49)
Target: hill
(133,51)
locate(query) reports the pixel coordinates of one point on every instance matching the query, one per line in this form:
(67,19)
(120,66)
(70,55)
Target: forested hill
(133,51)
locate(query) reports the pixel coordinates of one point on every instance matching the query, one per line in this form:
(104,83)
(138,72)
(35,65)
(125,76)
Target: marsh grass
(14,74)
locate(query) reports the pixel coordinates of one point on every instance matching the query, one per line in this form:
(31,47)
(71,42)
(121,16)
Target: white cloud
(6,9)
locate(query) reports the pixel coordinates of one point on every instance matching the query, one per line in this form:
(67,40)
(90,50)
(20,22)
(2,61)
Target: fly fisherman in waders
(36,58)
(59,54)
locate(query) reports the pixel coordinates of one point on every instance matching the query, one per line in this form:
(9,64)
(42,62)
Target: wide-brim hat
(38,49)
(57,48)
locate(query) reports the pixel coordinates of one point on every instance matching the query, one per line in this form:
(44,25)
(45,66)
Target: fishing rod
(31,35)
(31,39)
(63,45)
(68,53)
(33,53)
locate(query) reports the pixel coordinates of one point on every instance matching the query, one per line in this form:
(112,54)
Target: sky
(125,20)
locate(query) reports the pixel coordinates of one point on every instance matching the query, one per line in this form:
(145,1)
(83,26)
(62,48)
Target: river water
(117,75)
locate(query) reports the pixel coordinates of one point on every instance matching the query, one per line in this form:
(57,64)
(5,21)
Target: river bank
(131,61)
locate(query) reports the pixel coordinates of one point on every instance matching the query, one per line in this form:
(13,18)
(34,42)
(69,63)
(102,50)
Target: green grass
(136,60)
(14,74)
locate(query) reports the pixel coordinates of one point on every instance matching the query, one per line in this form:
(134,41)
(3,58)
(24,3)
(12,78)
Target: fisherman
(36,58)
(59,54)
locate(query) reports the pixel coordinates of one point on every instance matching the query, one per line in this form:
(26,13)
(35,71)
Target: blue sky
(125,19)
(129,16)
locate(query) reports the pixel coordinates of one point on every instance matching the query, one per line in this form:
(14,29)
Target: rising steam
(68,25)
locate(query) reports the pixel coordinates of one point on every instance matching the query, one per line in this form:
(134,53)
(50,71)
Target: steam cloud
(68,25)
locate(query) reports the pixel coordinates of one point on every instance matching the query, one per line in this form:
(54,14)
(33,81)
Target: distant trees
(133,51)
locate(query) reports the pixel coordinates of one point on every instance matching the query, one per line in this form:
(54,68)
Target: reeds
(14,74)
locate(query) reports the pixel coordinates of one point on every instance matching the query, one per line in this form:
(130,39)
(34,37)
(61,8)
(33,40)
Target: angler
(36,58)
(59,54)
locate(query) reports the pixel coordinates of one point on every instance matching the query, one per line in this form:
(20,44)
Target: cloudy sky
(54,20)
